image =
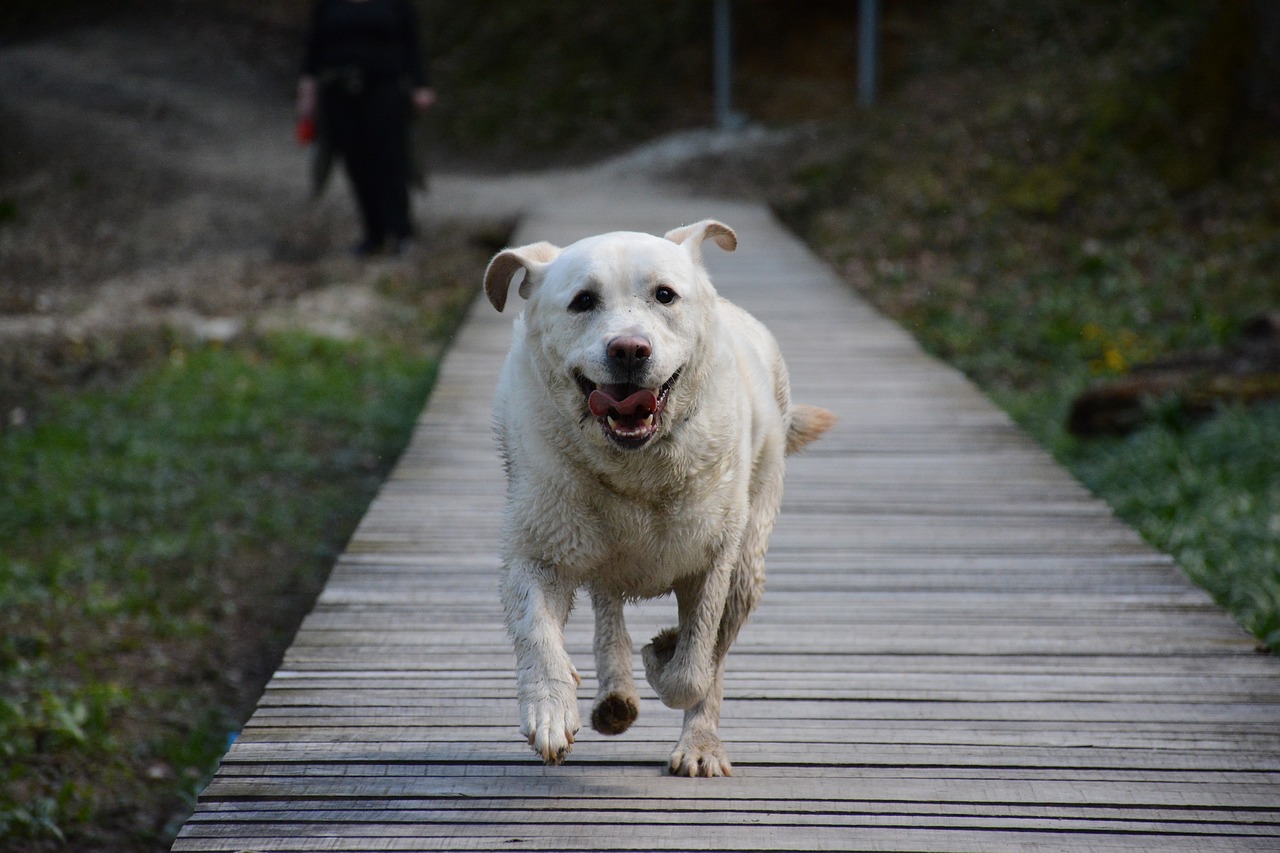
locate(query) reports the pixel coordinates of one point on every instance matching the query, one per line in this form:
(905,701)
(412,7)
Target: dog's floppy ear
(532,260)
(691,236)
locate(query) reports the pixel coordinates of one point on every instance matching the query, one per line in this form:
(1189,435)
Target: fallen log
(1196,382)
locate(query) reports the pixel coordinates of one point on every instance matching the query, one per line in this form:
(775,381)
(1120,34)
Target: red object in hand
(306,130)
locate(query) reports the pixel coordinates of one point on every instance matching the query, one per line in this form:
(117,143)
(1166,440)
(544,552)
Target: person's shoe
(403,247)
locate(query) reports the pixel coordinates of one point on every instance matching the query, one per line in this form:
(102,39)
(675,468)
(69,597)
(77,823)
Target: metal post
(868,46)
(722,59)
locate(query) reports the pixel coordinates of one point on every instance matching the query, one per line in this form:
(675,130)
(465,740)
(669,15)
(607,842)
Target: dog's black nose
(629,351)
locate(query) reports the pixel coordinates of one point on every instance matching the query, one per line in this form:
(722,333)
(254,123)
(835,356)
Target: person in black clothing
(363,70)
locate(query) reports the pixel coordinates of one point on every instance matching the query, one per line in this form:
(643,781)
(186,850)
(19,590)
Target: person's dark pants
(369,131)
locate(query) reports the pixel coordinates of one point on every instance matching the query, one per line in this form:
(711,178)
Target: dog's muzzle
(629,415)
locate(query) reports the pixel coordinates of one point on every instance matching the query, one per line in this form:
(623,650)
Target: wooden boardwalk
(959,648)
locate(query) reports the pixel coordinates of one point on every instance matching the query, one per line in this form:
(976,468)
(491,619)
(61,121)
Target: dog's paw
(700,755)
(614,713)
(550,726)
(657,655)
(677,684)
(682,689)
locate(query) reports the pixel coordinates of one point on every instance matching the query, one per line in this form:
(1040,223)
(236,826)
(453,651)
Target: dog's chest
(637,549)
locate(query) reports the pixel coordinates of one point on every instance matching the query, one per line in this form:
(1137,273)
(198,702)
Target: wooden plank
(1011,788)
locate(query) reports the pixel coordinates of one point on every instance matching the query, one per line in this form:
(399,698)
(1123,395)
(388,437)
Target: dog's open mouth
(628,414)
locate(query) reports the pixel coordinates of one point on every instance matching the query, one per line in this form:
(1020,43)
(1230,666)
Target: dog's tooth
(613,423)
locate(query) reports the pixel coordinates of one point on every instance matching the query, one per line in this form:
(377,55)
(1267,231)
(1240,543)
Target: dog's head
(616,323)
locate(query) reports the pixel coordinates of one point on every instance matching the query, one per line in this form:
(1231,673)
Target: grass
(136,521)
(162,537)
(1209,493)
(1009,207)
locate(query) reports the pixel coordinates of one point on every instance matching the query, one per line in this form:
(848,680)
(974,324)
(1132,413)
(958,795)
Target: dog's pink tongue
(641,403)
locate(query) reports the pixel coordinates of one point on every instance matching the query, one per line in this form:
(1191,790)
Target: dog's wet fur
(643,421)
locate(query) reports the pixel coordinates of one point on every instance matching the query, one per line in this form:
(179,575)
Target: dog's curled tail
(808,423)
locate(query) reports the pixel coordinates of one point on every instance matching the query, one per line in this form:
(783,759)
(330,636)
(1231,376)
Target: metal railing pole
(868,47)
(722,60)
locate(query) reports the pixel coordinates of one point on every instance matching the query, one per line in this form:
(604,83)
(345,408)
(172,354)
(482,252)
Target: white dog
(643,421)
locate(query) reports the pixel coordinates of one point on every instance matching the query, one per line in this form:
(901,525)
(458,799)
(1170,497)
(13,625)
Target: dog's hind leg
(537,607)
(617,703)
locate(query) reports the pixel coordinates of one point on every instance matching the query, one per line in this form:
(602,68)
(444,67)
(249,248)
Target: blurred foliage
(567,78)
(20,18)
(572,74)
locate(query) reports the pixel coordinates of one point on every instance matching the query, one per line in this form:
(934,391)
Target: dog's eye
(665,295)
(583,302)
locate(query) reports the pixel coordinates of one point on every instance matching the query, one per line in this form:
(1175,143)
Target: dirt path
(149,170)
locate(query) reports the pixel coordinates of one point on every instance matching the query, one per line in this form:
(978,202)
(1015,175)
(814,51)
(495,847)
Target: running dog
(643,421)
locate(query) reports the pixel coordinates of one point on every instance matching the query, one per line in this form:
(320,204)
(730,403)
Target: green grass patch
(160,539)
(1208,493)
(1020,226)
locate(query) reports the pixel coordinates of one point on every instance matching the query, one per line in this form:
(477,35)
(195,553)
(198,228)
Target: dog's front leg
(537,607)
(617,703)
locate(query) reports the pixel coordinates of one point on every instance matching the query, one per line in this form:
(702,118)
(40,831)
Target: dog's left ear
(691,236)
(532,260)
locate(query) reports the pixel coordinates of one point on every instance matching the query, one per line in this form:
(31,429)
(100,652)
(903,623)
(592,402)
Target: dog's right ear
(532,260)
(691,237)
